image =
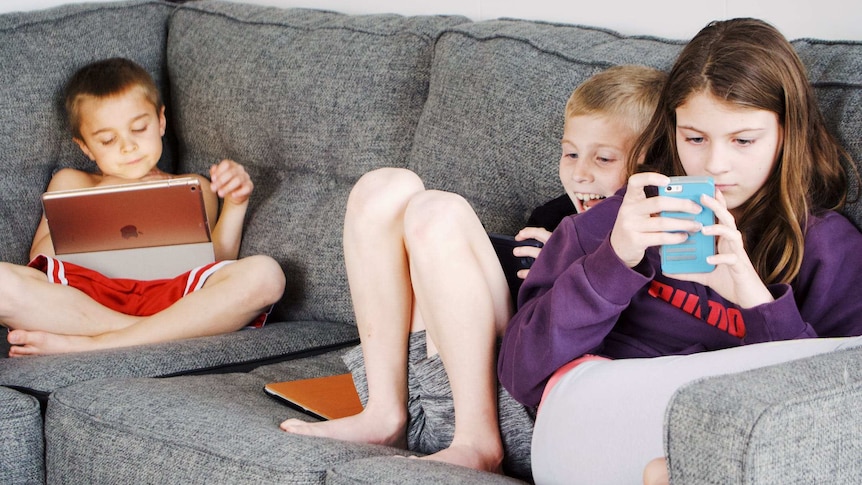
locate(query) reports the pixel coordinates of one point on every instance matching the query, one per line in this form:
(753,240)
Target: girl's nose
(717,161)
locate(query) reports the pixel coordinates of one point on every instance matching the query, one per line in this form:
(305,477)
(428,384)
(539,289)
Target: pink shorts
(132,297)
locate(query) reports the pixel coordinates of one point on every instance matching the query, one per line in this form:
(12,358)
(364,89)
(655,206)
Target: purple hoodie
(580,298)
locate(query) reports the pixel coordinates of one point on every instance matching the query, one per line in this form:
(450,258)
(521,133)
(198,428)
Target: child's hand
(230,181)
(734,276)
(638,226)
(538,233)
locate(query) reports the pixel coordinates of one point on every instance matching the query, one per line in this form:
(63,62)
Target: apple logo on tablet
(129,231)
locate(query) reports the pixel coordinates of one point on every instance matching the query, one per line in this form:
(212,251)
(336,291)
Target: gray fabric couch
(308,101)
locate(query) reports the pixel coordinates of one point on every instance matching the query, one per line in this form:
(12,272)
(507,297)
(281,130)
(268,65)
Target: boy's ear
(163,123)
(83,146)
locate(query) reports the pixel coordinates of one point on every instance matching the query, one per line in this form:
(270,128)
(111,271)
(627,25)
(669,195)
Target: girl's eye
(139,129)
(573,156)
(109,141)
(697,140)
(604,160)
(744,141)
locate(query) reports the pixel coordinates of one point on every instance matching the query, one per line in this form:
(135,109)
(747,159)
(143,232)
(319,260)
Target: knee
(656,473)
(10,280)
(263,279)
(382,193)
(436,218)
(12,287)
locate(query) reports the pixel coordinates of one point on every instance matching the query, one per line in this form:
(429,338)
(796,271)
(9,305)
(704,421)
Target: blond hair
(629,93)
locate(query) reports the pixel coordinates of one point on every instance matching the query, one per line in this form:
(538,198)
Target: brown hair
(747,62)
(629,93)
(103,79)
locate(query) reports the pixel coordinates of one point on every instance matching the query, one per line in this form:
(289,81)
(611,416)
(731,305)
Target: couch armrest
(798,422)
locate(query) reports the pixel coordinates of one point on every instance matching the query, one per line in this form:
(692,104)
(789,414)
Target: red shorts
(132,297)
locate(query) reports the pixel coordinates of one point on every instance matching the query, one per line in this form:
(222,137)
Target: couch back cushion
(494,117)
(39,51)
(307,101)
(835,71)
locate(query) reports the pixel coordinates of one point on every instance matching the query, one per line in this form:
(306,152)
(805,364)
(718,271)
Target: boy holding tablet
(117,118)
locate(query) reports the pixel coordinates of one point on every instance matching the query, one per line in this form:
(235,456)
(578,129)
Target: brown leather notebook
(325,398)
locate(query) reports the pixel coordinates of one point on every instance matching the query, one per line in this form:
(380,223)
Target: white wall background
(678,19)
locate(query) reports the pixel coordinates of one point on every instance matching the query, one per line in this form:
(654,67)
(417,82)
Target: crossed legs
(46,318)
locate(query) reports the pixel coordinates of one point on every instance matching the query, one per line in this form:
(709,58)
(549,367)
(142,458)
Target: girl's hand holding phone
(637,227)
(734,276)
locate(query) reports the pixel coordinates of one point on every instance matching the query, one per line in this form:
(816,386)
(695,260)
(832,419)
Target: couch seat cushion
(190,429)
(242,350)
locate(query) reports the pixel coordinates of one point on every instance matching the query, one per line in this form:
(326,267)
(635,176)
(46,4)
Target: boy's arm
(42,243)
(229,181)
(65,179)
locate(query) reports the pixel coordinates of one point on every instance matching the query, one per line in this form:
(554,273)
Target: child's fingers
(538,233)
(639,181)
(728,259)
(224,168)
(236,189)
(219,168)
(635,202)
(228,186)
(643,240)
(719,208)
(526,251)
(723,231)
(670,224)
(229,176)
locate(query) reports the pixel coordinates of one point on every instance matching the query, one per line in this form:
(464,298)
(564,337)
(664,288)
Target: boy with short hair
(117,118)
(421,260)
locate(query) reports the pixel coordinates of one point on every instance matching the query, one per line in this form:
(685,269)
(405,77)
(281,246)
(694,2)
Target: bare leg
(233,296)
(656,473)
(462,295)
(380,287)
(28,301)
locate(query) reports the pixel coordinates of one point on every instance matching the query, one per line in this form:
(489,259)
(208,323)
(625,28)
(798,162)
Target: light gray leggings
(602,422)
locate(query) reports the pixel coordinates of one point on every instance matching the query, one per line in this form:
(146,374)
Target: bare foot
(656,472)
(35,342)
(362,428)
(471,457)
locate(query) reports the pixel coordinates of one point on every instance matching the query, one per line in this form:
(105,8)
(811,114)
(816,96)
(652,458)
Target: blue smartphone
(689,256)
